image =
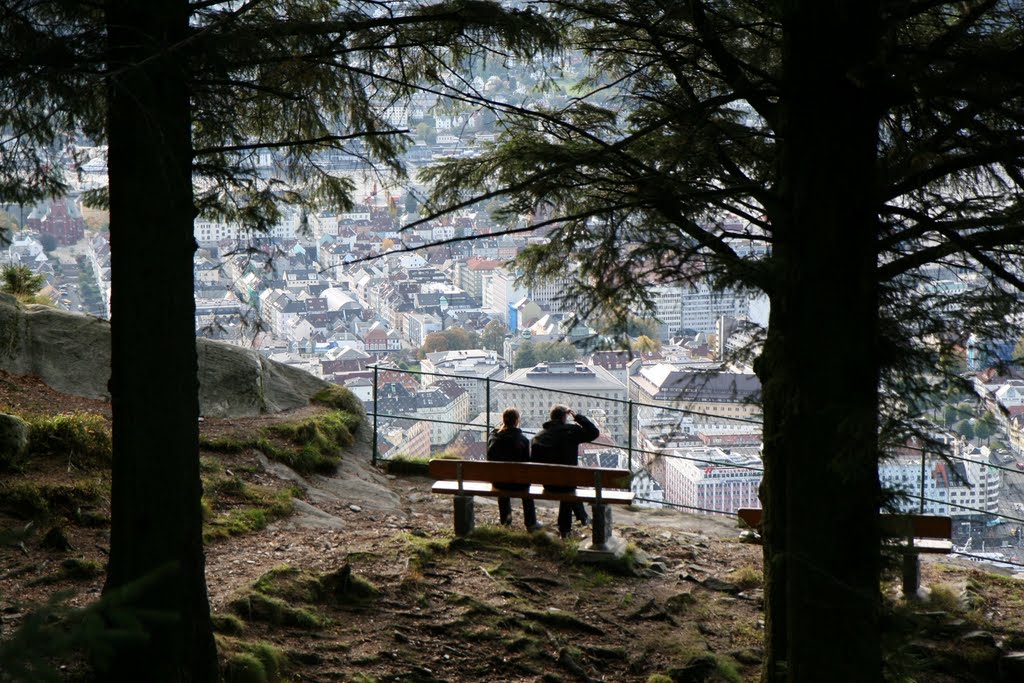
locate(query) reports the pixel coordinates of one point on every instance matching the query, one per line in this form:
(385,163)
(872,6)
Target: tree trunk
(156,552)
(820,367)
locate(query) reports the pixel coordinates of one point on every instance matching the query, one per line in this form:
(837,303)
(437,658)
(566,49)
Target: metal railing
(632,450)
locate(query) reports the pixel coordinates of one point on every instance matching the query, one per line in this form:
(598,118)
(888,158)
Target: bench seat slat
(931,533)
(586,494)
(928,546)
(527,473)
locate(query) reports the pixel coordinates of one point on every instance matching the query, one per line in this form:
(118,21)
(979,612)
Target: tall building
(589,390)
(696,306)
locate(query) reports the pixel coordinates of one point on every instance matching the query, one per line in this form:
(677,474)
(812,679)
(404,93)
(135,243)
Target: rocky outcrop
(71,353)
(13,437)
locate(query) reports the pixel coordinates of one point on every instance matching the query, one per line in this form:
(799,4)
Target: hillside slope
(359,579)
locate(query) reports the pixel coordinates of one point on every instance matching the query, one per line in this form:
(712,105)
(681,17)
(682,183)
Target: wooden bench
(912,535)
(600,486)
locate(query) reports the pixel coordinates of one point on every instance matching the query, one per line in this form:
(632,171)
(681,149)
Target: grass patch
(256,606)
(424,551)
(746,577)
(72,569)
(83,439)
(592,578)
(243,667)
(224,444)
(473,606)
(250,662)
(314,444)
(341,399)
(232,507)
(405,466)
(42,501)
(706,666)
(340,588)
(308,446)
(228,624)
(943,597)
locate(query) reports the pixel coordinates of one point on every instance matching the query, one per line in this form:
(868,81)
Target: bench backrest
(529,473)
(897,526)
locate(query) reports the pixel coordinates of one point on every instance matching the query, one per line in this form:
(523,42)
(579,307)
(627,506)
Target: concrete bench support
(464,520)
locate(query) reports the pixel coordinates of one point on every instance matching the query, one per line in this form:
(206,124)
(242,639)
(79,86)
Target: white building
(696,306)
(709,480)
(589,390)
(962,487)
(499,292)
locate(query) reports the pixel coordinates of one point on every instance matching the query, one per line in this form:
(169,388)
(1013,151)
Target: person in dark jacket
(508,443)
(558,443)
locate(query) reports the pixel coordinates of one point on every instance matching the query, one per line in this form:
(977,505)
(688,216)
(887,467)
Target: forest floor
(363,581)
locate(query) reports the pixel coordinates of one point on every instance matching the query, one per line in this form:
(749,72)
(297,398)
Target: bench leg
(911,575)
(464,520)
(601,526)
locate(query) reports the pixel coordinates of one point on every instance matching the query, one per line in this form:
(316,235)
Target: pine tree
(873,146)
(194,91)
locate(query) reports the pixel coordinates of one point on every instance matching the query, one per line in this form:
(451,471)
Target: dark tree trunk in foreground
(820,368)
(156,551)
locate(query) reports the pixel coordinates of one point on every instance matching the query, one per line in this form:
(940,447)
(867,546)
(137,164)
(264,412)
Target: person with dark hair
(508,443)
(558,443)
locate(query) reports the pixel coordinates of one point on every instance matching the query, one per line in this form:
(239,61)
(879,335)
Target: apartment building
(696,306)
(965,488)
(709,480)
(708,396)
(591,390)
(471,369)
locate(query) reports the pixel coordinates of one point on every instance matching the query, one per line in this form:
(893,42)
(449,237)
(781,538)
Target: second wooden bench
(912,535)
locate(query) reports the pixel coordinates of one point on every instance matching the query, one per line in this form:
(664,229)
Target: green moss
(746,577)
(944,597)
(250,508)
(229,486)
(82,439)
(40,501)
(290,584)
(228,624)
(271,657)
(226,444)
(404,466)
(562,620)
(593,577)
(244,667)
(25,501)
(340,398)
(474,607)
(256,606)
(315,443)
(425,551)
(209,465)
(72,569)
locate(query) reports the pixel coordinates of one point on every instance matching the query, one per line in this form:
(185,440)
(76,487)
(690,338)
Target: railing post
(487,399)
(924,454)
(374,458)
(629,432)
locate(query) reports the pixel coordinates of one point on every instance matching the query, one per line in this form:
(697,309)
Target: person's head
(509,419)
(559,413)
